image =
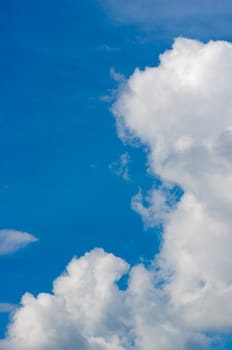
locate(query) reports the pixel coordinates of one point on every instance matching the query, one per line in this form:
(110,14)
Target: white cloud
(82,312)
(153,207)
(87,311)
(13,240)
(181,111)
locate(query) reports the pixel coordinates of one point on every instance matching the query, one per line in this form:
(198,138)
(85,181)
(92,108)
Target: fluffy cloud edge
(87,310)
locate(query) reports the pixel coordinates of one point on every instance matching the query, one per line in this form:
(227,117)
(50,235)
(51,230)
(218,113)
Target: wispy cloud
(153,207)
(6,307)
(118,77)
(179,16)
(13,240)
(120,167)
(108,48)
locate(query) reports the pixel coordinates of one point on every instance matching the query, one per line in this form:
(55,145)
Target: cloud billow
(88,311)
(181,110)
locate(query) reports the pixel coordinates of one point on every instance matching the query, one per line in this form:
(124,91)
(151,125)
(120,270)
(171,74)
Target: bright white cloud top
(13,240)
(181,110)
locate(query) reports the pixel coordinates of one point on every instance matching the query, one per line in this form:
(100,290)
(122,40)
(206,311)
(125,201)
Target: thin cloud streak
(13,240)
(179,17)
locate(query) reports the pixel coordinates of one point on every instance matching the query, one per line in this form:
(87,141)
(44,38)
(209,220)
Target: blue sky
(58,139)
(58,136)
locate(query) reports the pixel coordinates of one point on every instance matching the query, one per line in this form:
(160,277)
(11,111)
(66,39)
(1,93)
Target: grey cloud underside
(181,111)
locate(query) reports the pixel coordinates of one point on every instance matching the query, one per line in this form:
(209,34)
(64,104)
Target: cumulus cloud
(82,308)
(181,111)
(13,240)
(88,311)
